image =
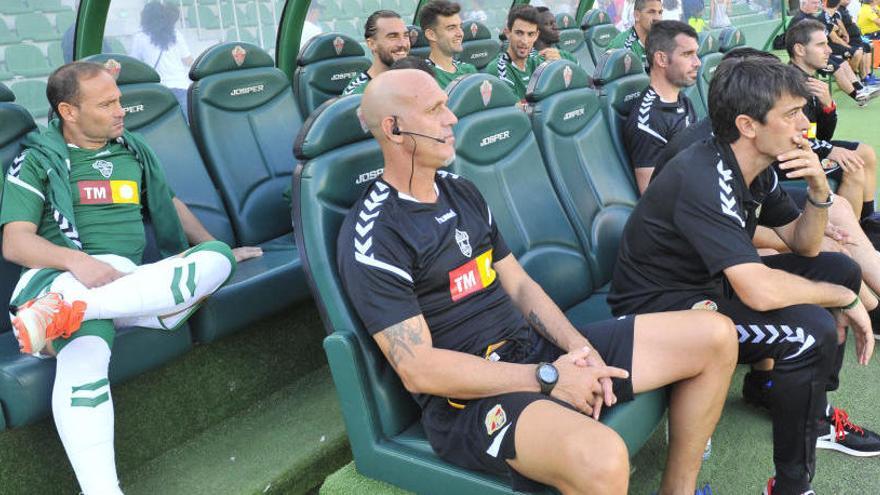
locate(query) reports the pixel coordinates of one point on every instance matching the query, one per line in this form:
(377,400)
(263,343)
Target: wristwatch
(827,203)
(547,376)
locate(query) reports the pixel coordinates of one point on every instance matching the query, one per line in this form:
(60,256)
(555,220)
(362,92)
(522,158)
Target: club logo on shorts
(486,92)
(113,67)
(706,304)
(566,75)
(474,29)
(627,62)
(471,277)
(464,243)
(338,45)
(238,55)
(495,419)
(105,167)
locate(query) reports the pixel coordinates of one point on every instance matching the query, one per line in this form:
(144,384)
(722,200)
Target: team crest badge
(705,304)
(338,45)
(565,22)
(486,92)
(566,76)
(413,37)
(601,16)
(113,67)
(738,36)
(464,242)
(709,42)
(105,167)
(474,29)
(238,55)
(495,419)
(627,62)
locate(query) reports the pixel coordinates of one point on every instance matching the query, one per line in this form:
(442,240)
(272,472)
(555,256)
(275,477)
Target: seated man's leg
(83,408)
(802,340)
(696,351)
(157,295)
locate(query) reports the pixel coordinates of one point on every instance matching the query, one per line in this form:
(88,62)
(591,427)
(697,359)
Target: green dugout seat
(708,45)
(590,180)
(153,111)
(26,381)
(36,27)
(243,34)
(730,38)
(497,150)
(27,60)
(418,43)
(599,31)
(621,79)
(6,34)
(11,7)
(115,45)
(244,119)
(54,55)
(64,19)
(338,160)
(47,5)
(572,40)
(478,47)
(202,17)
(325,66)
(32,96)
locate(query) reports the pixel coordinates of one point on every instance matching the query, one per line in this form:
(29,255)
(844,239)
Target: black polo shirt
(652,123)
(697,219)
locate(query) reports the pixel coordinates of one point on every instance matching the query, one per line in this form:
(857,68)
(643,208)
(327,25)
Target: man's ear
(67,112)
(430,35)
(746,126)
(388,125)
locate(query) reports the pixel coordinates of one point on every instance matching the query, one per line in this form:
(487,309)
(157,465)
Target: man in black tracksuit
(688,244)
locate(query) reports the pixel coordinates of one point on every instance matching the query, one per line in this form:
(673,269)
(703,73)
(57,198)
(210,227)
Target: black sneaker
(756,389)
(771,484)
(837,432)
(874,314)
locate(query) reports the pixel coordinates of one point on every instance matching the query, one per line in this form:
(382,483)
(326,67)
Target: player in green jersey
(645,14)
(388,39)
(442,24)
(548,38)
(516,64)
(72,214)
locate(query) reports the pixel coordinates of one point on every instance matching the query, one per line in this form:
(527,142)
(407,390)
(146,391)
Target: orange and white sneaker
(44,319)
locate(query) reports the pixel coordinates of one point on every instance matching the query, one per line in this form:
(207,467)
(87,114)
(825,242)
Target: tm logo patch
(472,276)
(105,192)
(495,419)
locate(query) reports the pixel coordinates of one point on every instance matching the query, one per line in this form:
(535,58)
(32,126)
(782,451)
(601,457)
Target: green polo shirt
(503,67)
(444,78)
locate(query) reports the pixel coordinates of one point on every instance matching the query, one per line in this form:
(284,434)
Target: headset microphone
(397,132)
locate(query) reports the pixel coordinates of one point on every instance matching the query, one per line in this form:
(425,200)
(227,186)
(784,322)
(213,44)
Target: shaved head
(406,112)
(392,93)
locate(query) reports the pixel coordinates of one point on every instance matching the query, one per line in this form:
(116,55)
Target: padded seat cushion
(418,43)
(329,46)
(227,57)
(617,64)
(595,17)
(325,66)
(550,79)
(708,43)
(26,381)
(478,47)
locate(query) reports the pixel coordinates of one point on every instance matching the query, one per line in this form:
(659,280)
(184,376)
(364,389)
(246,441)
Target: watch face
(548,373)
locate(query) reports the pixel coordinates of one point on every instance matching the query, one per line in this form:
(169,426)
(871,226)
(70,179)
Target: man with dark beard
(548,38)
(388,39)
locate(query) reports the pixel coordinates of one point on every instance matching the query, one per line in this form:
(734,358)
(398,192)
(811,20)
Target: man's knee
(868,155)
(721,345)
(599,461)
(841,270)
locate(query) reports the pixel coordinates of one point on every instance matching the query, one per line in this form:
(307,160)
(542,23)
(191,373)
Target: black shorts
(479,434)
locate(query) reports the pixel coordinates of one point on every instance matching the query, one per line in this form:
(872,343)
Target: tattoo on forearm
(539,327)
(401,338)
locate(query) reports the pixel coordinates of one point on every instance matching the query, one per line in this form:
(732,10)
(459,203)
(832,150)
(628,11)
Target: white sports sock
(166,287)
(83,411)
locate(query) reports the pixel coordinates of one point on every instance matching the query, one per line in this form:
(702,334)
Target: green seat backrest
(202,16)
(622,79)
(54,55)
(571,39)
(598,32)
(152,111)
(244,120)
(32,96)
(704,77)
(590,181)
(14,7)
(496,149)
(708,46)
(27,61)
(478,47)
(730,38)
(17,122)
(35,27)
(325,66)
(338,160)
(64,20)
(418,44)
(6,34)
(46,5)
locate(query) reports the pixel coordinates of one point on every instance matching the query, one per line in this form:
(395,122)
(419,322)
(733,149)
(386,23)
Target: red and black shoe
(771,483)
(837,432)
